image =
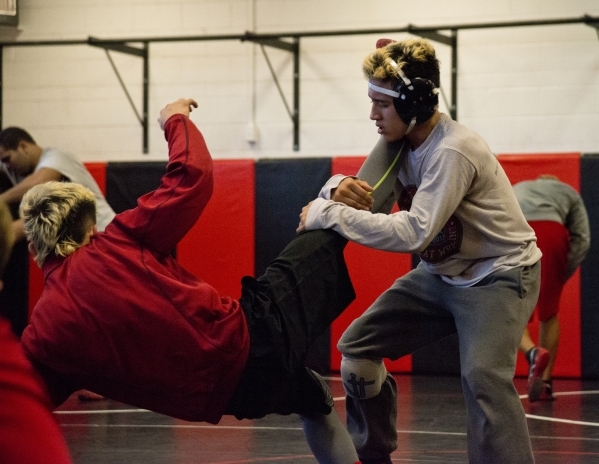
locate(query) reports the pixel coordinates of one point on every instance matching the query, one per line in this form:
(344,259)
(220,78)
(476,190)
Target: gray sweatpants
(489,318)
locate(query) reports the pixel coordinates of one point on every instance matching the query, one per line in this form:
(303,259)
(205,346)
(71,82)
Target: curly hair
(56,217)
(415,57)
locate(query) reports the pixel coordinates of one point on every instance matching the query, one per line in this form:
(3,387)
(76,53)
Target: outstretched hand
(182,106)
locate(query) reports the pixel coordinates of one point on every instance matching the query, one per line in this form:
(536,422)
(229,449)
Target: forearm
(163,217)
(15,194)
(395,232)
(18,229)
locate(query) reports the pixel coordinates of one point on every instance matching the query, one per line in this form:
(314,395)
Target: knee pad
(362,378)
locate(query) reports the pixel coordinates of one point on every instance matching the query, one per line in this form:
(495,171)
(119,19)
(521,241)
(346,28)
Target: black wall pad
(14,297)
(126,182)
(283,187)
(589,297)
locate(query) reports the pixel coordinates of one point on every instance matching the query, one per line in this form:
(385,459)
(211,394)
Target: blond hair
(56,216)
(415,57)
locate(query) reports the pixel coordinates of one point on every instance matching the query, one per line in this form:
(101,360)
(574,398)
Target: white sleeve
(332,183)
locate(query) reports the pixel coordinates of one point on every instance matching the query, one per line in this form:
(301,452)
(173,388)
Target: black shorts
(286,309)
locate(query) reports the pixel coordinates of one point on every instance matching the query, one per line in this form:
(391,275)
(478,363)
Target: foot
(547,393)
(538,358)
(86,395)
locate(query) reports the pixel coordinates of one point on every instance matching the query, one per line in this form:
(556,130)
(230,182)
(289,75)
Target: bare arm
(15,194)
(18,230)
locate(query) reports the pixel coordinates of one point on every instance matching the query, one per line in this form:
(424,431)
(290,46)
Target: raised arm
(163,217)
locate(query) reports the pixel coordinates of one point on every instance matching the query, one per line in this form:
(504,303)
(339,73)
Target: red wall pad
(372,272)
(566,166)
(36,278)
(220,247)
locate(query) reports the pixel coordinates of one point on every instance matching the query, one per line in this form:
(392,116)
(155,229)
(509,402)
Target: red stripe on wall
(98,172)
(219,249)
(372,272)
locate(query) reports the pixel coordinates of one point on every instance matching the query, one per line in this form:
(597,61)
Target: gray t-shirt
(546,199)
(71,168)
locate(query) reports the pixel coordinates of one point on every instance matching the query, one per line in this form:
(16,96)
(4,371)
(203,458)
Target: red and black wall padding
(254,213)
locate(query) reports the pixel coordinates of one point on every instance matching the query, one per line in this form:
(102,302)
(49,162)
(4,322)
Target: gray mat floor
(431,424)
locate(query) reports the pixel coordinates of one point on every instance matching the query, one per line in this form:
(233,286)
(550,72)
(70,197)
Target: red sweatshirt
(122,318)
(28,432)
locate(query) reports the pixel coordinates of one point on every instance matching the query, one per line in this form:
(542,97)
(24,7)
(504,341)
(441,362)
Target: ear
(31,248)
(88,235)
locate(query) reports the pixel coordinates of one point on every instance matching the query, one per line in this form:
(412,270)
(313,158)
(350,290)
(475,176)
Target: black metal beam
(133,51)
(433,35)
(296,94)
(591,21)
(292,48)
(418,30)
(274,40)
(453,110)
(146,97)
(120,47)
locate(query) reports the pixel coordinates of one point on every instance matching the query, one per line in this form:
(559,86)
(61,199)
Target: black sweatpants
(297,298)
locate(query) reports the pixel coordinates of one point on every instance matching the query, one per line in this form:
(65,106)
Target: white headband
(376,88)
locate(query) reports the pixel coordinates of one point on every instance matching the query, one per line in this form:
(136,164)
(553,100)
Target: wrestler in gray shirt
(548,199)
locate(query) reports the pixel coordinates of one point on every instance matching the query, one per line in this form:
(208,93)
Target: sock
(329,440)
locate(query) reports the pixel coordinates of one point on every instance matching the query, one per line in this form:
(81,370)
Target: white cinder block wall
(525,89)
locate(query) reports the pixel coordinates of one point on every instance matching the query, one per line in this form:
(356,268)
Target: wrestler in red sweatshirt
(119,315)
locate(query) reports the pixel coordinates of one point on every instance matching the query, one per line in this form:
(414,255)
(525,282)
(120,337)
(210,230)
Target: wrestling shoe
(547,393)
(538,359)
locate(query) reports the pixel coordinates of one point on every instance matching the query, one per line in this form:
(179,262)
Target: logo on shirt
(447,242)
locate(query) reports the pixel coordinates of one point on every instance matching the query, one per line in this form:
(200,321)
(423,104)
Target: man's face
(383,113)
(17,160)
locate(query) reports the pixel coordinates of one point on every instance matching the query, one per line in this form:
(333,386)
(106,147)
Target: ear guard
(414,100)
(417,98)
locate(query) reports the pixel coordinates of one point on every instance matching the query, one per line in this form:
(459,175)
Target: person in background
(28,431)
(135,326)
(27,164)
(479,269)
(559,218)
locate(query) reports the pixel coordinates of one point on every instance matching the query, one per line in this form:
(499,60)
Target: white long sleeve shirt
(458,210)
